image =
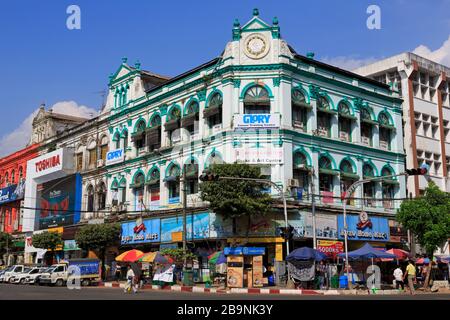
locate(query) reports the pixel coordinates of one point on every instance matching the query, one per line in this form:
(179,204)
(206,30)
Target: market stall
(245,266)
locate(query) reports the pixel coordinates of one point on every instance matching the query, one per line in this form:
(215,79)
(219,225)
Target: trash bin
(188,277)
(343,282)
(335,282)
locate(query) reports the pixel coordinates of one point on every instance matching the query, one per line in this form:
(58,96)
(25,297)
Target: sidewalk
(271,290)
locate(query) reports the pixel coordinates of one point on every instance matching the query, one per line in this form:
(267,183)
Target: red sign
(48,163)
(330,247)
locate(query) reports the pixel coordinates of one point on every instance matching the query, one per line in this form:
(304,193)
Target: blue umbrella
(221,259)
(306,253)
(367,252)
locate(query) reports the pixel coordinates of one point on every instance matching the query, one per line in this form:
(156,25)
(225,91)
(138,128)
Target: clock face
(256,46)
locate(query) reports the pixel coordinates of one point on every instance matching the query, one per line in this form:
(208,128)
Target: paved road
(27,292)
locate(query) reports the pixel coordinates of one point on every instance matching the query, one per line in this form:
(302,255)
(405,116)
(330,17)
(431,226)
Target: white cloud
(20,137)
(440,55)
(349,62)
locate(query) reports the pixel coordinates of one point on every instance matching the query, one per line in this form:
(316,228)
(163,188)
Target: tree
(48,241)
(5,242)
(98,237)
(235,198)
(178,255)
(428,217)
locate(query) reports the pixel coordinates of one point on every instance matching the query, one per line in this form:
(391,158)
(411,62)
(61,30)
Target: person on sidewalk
(130,281)
(118,272)
(411,276)
(398,275)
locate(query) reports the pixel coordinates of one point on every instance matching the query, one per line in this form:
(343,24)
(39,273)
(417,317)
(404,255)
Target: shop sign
(246,251)
(141,231)
(266,155)
(114,156)
(257,121)
(12,193)
(364,228)
(70,245)
(330,247)
(302,222)
(200,224)
(46,164)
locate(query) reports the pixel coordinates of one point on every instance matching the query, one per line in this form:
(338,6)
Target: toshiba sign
(48,163)
(55,162)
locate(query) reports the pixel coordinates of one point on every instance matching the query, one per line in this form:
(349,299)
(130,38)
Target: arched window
(153,188)
(138,191)
(299,110)
(191,118)
(116,140)
(173,183)
(213,112)
(345,122)
(6,178)
(125,139)
(348,175)
(154,133)
(103,147)
(13,176)
(324,114)
(172,125)
(256,100)
(326,174)
(389,187)
(191,176)
(90,198)
(101,196)
(301,171)
(92,154)
(366,127)
(368,187)
(213,159)
(123,191)
(20,174)
(139,136)
(385,131)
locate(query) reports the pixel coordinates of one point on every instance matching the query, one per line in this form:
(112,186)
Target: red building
(13,169)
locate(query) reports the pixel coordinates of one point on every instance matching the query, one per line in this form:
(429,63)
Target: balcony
(384,145)
(344,136)
(366,141)
(323,132)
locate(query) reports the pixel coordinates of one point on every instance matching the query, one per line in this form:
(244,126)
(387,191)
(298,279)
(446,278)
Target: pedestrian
(131,278)
(411,276)
(398,275)
(118,272)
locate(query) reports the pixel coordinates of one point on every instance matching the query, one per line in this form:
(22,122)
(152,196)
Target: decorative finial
(137,65)
(111,75)
(124,60)
(255,12)
(275,21)
(310,55)
(236,23)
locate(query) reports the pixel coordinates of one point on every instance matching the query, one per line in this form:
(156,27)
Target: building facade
(425,89)
(312,128)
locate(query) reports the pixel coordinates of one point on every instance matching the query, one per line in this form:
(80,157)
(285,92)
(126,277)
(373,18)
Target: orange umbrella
(130,256)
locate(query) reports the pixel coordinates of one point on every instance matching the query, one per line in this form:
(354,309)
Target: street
(24,292)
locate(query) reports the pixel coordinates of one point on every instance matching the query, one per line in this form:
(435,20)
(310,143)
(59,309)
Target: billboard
(257,121)
(326,225)
(114,156)
(330,247)
(364,228)
(141,231)
(12,193)
(59,202)
(200,224)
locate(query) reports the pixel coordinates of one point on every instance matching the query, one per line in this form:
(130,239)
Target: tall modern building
(425,88)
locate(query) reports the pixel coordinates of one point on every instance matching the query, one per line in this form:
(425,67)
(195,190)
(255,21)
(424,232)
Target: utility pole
(183,181)
(313,209)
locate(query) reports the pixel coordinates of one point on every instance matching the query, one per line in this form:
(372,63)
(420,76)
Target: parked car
(22,277)
(12,271)
(33,278)
(58,274)
(2,272)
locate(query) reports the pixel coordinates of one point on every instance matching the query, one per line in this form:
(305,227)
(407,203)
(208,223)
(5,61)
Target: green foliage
(97,236)
(427,217)
(178,255)
(47,240)
(231,198)
(5,241)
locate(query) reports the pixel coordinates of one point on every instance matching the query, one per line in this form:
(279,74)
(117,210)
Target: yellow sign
(57,230)
(278,252)
(257,240)
(177,236)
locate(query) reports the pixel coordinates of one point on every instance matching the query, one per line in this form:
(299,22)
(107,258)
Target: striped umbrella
(217,257)
(148,257)
(130,256)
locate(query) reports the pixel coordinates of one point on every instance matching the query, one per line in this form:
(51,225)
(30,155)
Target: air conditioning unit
(293,183)
(100,163)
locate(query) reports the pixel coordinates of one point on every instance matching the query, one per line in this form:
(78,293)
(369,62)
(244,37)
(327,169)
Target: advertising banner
(59,202)
(200,224)
(326,225)
(12,193)
(154,199)
(266,155)
(70,245)
(220,227)
(256,121)
(330,247)
(258,226)
(364,228)
(141,231)
(114,156)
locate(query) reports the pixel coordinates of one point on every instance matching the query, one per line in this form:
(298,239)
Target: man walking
(398,275)
(411,276)
(131,278)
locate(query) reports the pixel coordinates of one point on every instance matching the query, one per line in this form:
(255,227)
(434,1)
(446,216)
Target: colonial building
(312,128)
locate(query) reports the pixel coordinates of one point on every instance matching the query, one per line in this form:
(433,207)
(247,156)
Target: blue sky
(44,61)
